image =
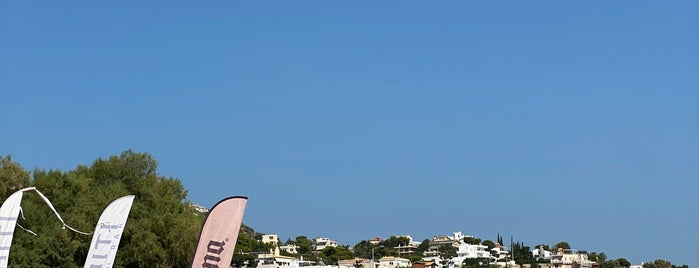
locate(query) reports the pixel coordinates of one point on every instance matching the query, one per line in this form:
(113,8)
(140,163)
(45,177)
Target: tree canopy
(387,247)
(161,231)
(562,244)
(12,177)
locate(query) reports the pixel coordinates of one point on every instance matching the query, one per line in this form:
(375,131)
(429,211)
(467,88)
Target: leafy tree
(387,247)
(660,263)
(475,263)
(543,246)
(247,246)
(417,256)
(394,241)
(623,262)
(472,240)
(381,251)
(522,254)
(161,231)
(363,249)
(330,255)
(562,244)
(447,251)
(12,177)
(599,258)
(306,248)
(488,243)
(305,245)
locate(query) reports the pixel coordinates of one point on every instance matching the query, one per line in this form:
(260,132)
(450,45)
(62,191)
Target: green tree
(247,246)
(12,177)
(488,243)
(623,262)
(522,254)
(543,246)
(562,244)
(417,256)
(161,231)
(363,249)
(305,245)
(395,241)
(659,263)
(447,251)
(472,240)
(599,258)
(330,255)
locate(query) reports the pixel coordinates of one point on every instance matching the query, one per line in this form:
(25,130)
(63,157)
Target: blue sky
(548,121)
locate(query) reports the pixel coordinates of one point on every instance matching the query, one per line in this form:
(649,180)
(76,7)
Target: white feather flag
(105,240)
(8,219)
(9,211)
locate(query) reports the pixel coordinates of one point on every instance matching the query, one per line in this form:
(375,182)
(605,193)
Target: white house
(273,240)
(271,261)
(441,240)
(540,253)
(393,262)
(458,236)
(568,259)
(407,249)
(375,240)
(291,248)
(472,251)
(320,243)
(270,239)
(366,263)
(499,252)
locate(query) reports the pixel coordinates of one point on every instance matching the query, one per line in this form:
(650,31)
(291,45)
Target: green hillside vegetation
(163,227)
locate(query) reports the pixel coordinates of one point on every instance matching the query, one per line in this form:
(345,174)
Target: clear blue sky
(546,120)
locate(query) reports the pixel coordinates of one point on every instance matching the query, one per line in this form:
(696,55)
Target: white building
(499,252)
(540,253)
(442,240)
(271,261)
(199,208)
(375,240)
(472,251)
(366,263)
(291,248)
(270,239)
(320,243)
(458,236)
(273,240)
(407,249)
(393,262)
(568,259)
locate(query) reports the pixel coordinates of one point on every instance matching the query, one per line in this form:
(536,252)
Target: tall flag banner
(105,240)
(8,219)
(9,211)
(219,233)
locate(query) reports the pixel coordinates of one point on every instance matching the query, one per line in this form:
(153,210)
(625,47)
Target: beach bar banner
(105,240)
(8,219)
(219,233)
(9,211)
